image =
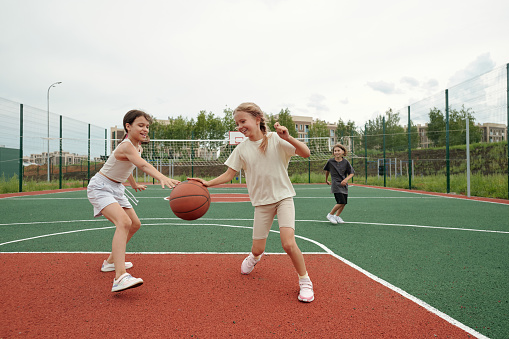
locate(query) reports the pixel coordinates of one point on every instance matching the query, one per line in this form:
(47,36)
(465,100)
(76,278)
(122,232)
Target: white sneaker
(249,263)
(107,267)
(338,219)
(125,281)
(332,219)
(306,290)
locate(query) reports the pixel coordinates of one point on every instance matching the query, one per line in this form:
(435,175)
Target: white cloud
(176,58)
(383,87)
(482,64)
(410,81)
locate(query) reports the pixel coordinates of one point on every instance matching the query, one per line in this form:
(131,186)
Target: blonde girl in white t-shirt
(106,193)
(264,157)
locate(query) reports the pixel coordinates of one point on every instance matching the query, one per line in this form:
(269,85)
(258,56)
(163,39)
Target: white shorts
(102,192)
(264,216)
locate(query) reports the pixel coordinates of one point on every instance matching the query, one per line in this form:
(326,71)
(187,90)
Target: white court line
(250,219)
(322,246)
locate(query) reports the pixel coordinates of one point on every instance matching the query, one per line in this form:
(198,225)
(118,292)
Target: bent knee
(135,225)
(289,246)
(124,224)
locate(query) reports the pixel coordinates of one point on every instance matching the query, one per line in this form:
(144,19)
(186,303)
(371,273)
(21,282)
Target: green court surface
(450,253)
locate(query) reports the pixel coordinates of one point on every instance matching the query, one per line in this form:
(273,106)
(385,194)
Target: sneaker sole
(306,300)
(128,287)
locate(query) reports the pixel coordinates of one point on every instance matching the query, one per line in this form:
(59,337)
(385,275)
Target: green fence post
(20,174)
(383,135)
(447,164)
(366,153)
(409,151)
(60,160)
(506,130)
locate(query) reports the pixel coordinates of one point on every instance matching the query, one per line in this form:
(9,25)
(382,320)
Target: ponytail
(265,140)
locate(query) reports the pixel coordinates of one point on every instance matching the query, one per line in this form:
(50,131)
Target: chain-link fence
(421,146)
(41,146)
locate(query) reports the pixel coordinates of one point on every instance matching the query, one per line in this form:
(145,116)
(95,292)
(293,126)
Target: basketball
(189,200)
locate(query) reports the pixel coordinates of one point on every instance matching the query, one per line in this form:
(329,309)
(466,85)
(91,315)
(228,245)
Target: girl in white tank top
(106,193)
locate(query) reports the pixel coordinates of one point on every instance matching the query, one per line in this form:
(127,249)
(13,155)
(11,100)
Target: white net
(214,152)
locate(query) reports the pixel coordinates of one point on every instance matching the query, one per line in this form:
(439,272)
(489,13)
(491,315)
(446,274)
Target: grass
(11,185)
(490,186)
(487,186)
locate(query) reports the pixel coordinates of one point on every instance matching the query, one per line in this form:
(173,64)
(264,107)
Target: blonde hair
(340,146)
(256,112)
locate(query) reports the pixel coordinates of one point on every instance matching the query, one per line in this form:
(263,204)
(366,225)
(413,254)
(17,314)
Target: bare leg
(135,226)
(340,209)
(258,246)
(122,222)
(335,209)
(290,247)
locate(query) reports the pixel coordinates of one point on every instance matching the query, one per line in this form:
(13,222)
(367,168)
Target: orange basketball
(189,200)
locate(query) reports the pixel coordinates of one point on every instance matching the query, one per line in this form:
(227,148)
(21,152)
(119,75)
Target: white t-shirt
(266,173)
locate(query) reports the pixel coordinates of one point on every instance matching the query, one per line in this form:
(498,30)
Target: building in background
(493,132)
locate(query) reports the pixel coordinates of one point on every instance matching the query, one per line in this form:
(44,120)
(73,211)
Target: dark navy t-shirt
(338,172)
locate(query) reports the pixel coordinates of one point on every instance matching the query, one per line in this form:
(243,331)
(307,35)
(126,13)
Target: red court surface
(203,296)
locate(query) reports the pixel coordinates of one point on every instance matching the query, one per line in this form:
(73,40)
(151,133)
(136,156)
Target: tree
(457,127)
(228,120)
(318,130)
(285,119)
(271,120)
(347,133)
(436,127)
(396,138)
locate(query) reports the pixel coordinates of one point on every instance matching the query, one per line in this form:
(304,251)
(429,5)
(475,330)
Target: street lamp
(53,85)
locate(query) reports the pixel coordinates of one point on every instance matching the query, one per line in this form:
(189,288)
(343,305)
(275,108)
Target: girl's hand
(328,182)
(137,187)
(169,182)
(203,182)
(344,183)
(282,131)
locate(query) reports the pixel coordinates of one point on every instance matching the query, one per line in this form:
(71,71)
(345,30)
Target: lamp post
(53,85)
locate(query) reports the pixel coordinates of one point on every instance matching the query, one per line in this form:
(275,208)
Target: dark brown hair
(340,146)
(130,116)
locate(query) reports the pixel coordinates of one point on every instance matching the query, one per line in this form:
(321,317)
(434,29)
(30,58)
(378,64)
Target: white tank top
(118,170)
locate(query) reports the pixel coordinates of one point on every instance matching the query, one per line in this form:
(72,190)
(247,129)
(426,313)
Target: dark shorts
(341,198)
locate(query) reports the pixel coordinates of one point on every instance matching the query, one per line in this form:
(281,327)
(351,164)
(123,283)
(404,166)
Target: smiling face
(138,130)
(248,125)
(338,153)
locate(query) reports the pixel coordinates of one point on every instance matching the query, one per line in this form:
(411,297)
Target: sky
(328,59)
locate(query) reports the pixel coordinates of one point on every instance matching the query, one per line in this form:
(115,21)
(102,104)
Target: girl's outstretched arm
(225,177)
(128,151)
(300,147)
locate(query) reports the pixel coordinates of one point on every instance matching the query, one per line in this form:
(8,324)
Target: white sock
(304,276)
